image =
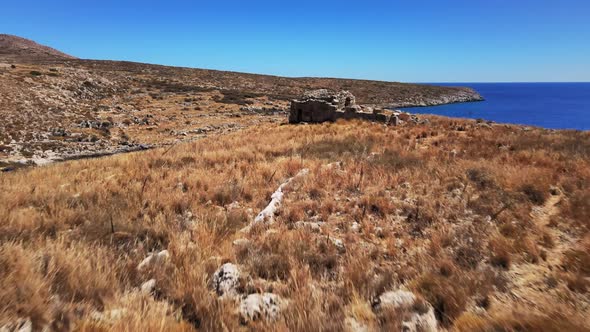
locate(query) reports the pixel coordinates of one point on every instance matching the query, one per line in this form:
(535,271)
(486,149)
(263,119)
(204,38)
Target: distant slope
(14,48)
(382,93)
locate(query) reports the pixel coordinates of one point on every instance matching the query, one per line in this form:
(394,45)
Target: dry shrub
(319,255)
(576,282)
(578,260)
(227,193)
(310,307)
(535,193)
(468,245)
(421,215)
(268,258)
(337,148)
(523,319)
(481,177)
(578,207)
(25,291)
(547,240)
(469,322)
(500,249)
(446,268)
(392,160)
(529,248)
(447,296)
(376,204)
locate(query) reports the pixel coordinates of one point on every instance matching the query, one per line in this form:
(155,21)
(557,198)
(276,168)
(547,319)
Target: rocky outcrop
(457,95)
(226,280)
(257,306)
(417,314)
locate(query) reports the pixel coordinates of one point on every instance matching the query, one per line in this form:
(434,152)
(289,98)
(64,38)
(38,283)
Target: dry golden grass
(451,215)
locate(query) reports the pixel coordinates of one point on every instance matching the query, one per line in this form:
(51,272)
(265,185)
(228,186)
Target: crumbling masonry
(324,105)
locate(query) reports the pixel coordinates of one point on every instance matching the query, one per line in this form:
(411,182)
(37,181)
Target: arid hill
(54,107)
(14,48)
(236,220)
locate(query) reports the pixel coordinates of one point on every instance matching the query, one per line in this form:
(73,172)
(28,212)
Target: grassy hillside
(487,225)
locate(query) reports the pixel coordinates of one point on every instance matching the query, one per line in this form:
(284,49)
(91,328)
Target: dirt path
(531,282)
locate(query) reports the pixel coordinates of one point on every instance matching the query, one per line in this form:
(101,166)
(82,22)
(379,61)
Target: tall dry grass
(445,213)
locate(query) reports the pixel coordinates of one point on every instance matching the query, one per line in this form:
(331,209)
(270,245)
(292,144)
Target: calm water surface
(548,105)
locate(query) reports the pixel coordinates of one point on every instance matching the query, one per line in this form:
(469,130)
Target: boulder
(260,306)
(226,280)
(419,315)
(153,260)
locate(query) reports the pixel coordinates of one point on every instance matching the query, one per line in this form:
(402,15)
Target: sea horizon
(551,105)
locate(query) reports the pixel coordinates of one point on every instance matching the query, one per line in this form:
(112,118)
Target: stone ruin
(324,105)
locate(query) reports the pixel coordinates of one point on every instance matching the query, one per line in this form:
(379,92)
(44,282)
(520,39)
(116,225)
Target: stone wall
(324,105)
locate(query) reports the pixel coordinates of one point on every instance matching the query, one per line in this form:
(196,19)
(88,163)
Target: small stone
(339,244)
(153,260)
(241,242)
(109,316)
(148,286)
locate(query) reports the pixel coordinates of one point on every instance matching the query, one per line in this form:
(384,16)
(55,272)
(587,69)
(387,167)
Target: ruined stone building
(324,105)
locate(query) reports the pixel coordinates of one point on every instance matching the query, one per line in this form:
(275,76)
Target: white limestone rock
(421,318)
(260,306)
(153,260)
(148,286)
(226,280)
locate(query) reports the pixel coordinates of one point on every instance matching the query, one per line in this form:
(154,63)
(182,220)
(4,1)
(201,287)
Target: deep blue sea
(548,105)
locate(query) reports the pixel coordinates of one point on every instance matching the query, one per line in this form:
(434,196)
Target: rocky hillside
(57,107)
(14,48)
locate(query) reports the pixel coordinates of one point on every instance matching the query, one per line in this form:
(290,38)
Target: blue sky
(409,41)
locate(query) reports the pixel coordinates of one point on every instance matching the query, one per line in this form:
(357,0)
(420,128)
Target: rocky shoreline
(463,95)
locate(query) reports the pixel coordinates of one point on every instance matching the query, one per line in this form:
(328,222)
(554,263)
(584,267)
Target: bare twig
(272,176)
(112,225)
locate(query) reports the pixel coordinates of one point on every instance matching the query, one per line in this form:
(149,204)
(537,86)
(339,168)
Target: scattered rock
(312,226)
(109,316)
(353,325)
(339,244)
(154,260)
(269,211)
(260,306)
(241,242)
(421,314)
(148,286)
(226,280)
(233,206)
